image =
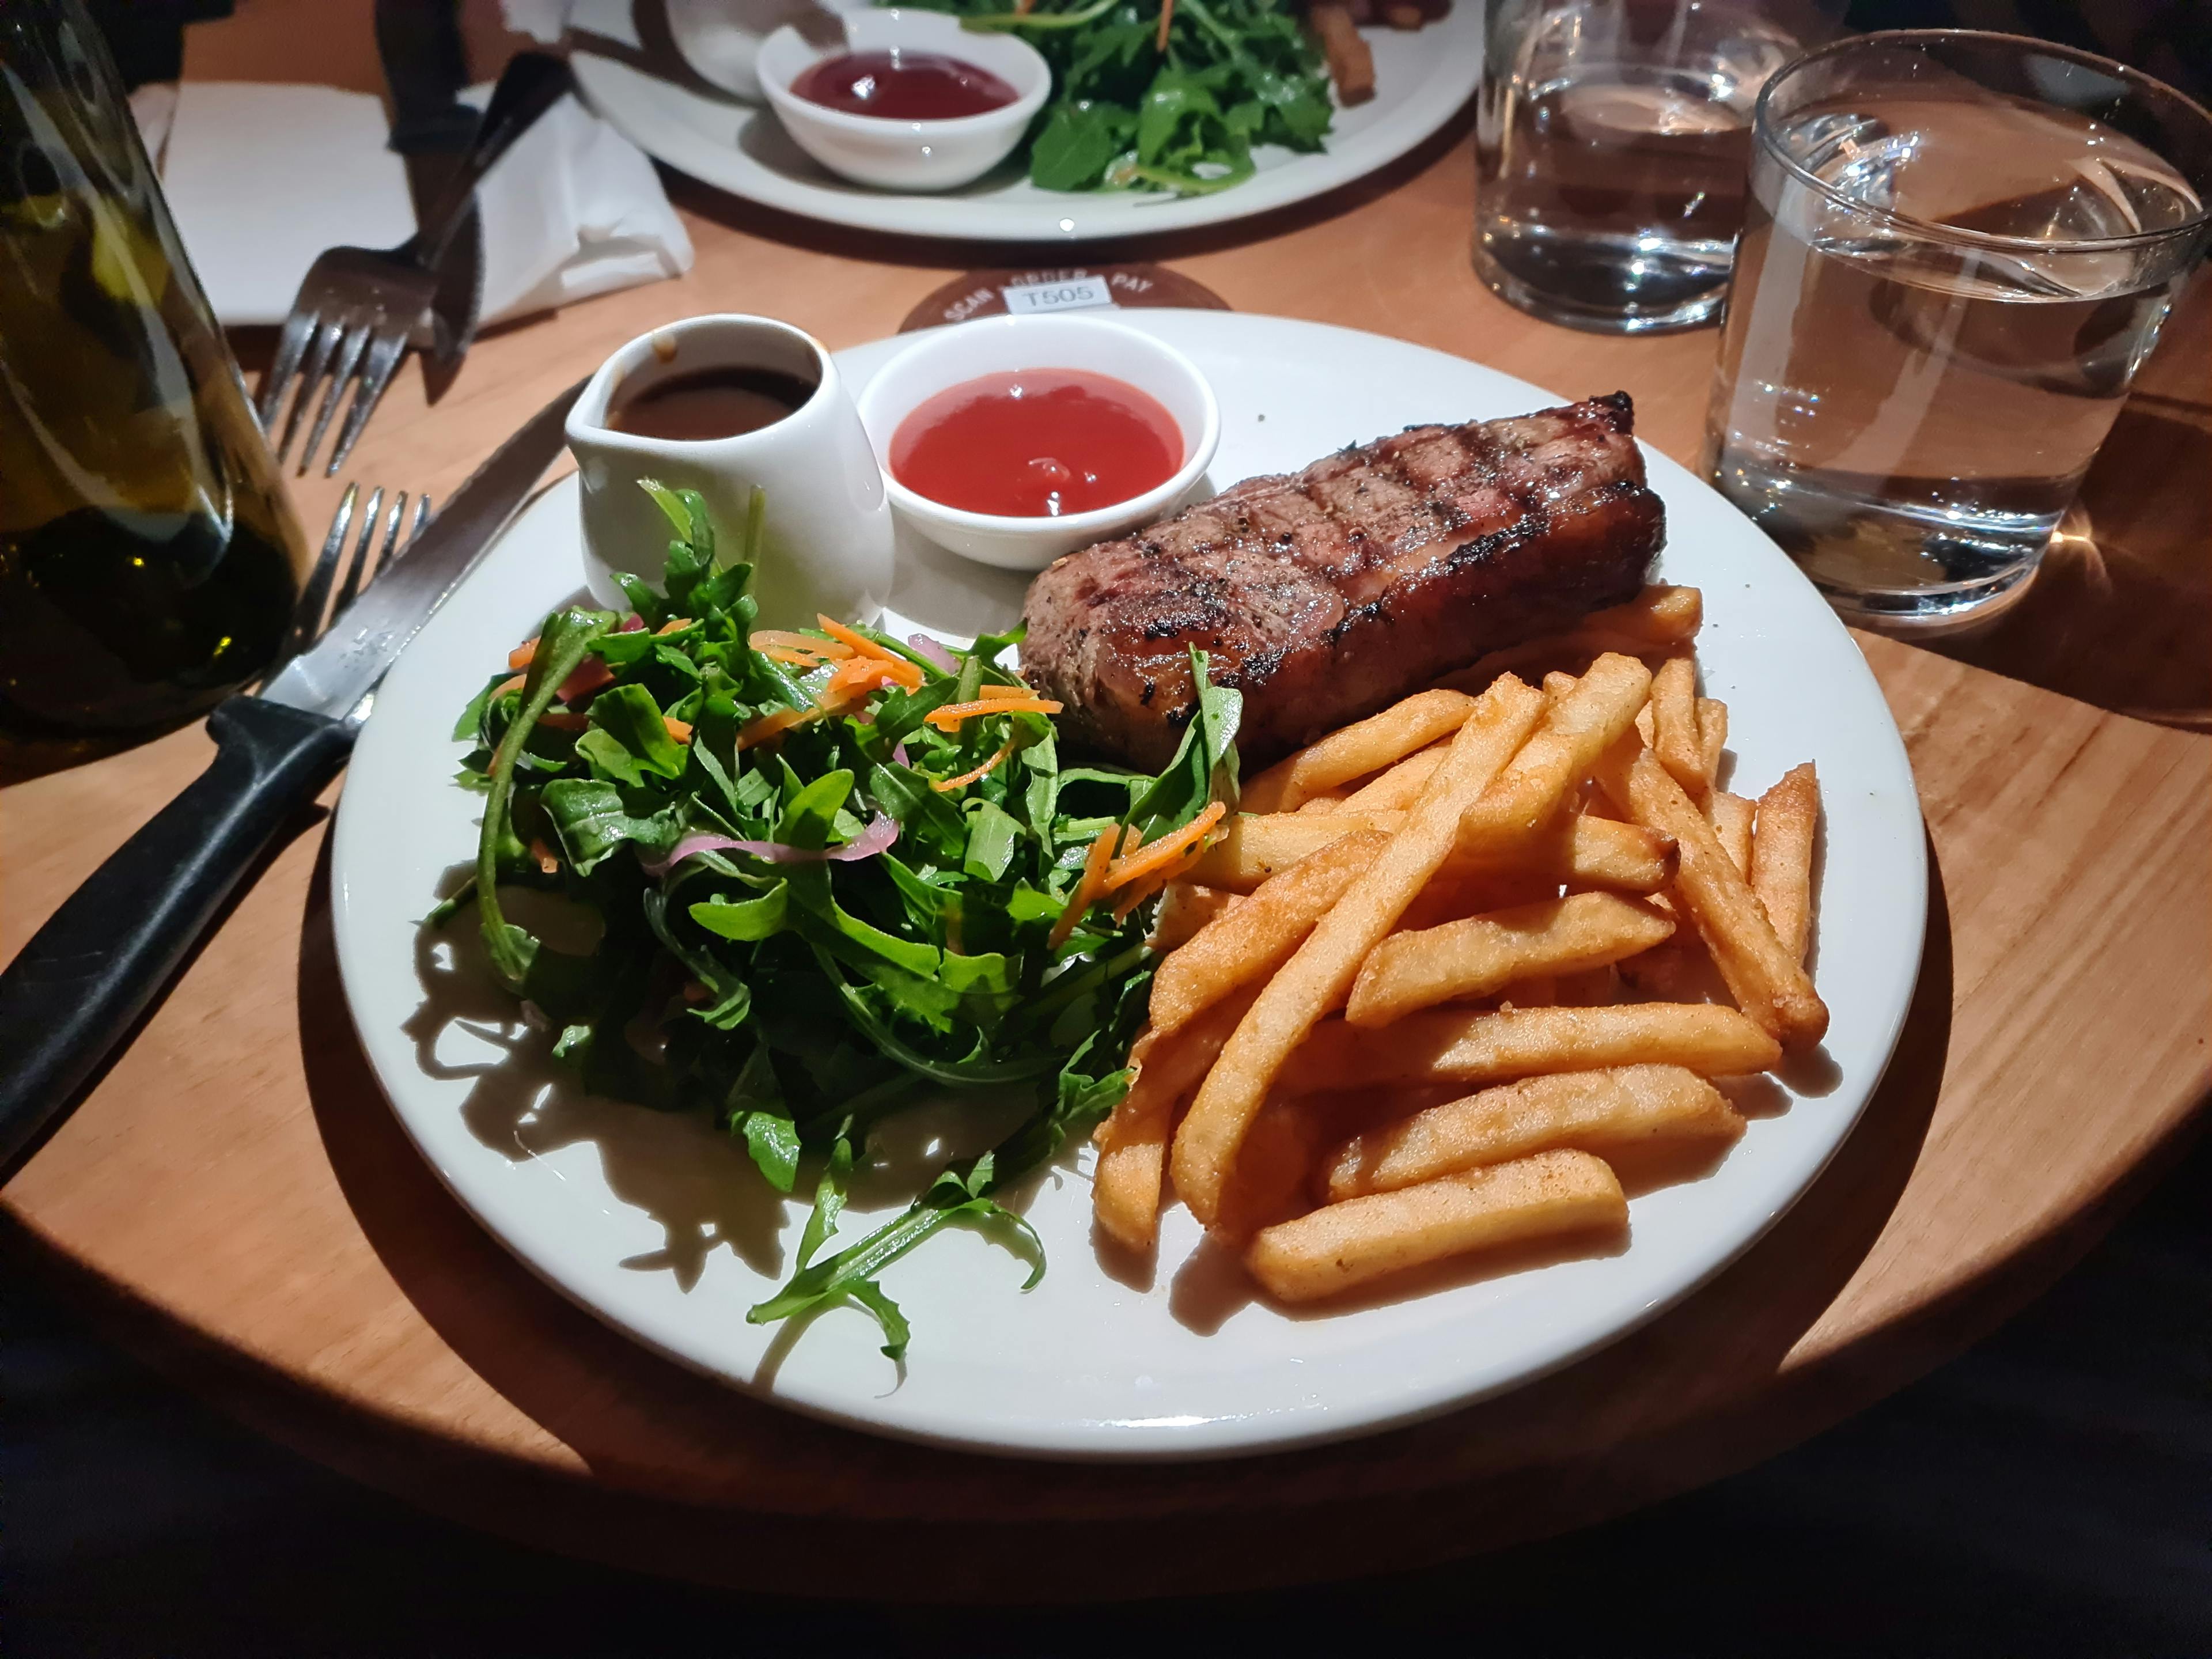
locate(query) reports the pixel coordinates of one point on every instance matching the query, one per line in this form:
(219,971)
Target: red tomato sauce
(902,86)
(1036,443)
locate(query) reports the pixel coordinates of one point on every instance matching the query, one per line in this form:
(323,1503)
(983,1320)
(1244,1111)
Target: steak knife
(74,991)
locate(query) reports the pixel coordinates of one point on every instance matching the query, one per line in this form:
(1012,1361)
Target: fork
(358,309)
(346,564)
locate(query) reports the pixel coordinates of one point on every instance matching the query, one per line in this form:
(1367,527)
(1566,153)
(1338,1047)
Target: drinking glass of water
(1611,145)
(1958,250)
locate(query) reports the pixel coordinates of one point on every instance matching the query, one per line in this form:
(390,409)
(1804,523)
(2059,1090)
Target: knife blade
(333,676)
(73,992)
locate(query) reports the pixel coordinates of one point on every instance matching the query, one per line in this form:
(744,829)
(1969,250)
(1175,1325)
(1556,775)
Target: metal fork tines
(351,323)
(347,561)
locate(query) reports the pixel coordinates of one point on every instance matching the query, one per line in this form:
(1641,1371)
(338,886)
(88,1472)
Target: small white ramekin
(896,155)
(943,358)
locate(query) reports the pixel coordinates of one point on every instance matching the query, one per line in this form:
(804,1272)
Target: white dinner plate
(662,1228)
(1422,77)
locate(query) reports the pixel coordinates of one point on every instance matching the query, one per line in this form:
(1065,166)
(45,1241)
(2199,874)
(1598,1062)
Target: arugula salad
(835,874)
(1166,96)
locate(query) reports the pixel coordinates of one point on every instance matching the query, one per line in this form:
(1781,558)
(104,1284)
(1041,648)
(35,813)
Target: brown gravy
(710,403)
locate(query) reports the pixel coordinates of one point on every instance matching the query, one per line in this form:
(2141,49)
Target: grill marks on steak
(1327,595)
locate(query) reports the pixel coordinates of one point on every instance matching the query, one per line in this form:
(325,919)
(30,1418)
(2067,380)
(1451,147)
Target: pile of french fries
(1452,966)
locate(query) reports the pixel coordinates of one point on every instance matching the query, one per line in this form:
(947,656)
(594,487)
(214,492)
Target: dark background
(2049,1494)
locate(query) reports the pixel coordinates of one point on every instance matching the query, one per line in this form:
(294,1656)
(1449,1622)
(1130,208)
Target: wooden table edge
(548,1505)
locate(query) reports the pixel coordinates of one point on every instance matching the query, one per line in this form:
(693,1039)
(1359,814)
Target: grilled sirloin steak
(1326,595)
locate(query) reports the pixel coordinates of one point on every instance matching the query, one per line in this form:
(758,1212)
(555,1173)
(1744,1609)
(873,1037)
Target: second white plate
(1422,77)
(663,1228)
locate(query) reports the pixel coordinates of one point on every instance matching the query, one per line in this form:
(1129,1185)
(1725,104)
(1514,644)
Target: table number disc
(1071,287)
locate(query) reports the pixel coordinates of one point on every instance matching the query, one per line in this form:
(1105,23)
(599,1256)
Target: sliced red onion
(631,623)
(898,753)
(882,831)
(934,651)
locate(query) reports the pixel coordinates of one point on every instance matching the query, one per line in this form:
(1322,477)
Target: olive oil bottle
(148,561)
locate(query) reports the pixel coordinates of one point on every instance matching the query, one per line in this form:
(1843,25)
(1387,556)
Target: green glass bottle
(149,560)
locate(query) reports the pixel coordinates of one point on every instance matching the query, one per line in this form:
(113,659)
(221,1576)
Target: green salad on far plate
(1157,96)
(835,874)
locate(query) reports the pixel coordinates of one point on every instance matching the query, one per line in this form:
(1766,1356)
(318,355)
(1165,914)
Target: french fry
(1763,978)
(1318,976)
(1586,851)
(1482,954)
(1443,1045)
(1260,935)
(1674,737)
(1590,1111)
(1657,622)
(1341,1246)
(1450,896)
(1125,1194)
(1575,731)
(1712,736)
(1363,747)
(1782,856)
(1256,846)
(1272,1179)
(1327,803)
(1397,789)
(1661,614)
(1592,987)
(1351,61)
(1731,817)
(1185,910)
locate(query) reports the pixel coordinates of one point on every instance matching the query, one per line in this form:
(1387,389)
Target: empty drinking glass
(1959,249)
(1610,150)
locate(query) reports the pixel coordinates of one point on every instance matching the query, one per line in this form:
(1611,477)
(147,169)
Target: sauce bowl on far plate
(943,358)
(906,154)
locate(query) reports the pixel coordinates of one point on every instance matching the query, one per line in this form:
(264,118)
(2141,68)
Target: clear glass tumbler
(1959,249)
(1610,148)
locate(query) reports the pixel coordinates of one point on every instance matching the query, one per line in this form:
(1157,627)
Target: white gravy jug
(827,542)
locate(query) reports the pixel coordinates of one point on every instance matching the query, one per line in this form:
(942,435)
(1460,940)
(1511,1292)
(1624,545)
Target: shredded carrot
(672,624)
(505,686)
(859,641)
(1167,16)
(952,714)
(522,655)
(768,726)
(853,678)
(903,672)
(1159,854)
(997,691)
(1145,886)
(966,778)
(543,854)
(679,730)
(764,637)
(1088,887)
(796,659)
(564,720)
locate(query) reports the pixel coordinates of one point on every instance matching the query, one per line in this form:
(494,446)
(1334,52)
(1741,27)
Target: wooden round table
(235,1198)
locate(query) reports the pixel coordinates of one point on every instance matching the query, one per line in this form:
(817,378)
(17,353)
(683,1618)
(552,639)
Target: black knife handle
(532,83)
(104,955)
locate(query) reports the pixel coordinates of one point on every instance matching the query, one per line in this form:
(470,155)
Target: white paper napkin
(262,177)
